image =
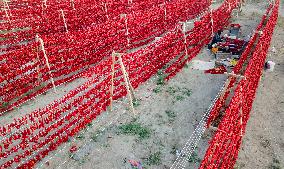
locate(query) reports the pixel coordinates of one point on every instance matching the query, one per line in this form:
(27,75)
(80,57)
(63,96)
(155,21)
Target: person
(216,39)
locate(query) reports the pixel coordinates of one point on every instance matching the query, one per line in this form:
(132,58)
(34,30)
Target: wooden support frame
(163,5)
(44,4)
(183,29)
(105,8)
(72,4)
(232,74)
(129,88)
(64,20)
(241,112)
(38,39)
(126,27)
(212,22)
(112,80)
(6,9)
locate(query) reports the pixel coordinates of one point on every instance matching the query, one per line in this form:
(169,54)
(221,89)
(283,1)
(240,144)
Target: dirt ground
(168,114)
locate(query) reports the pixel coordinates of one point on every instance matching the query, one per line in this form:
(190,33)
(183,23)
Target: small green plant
(171,115)
(186,92)
(136,102)
(172,90)
(154,159)
(194,158)
(174,149)
(186,66)
(94,137)
(180,98)
(90,124)
(161,78)
(135,129)
(82,161)
(157,89)
(4,105)
(80,136)
(275,164)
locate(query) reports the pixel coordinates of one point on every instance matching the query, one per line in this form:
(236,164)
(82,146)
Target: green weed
(171,115)
(80,136)
(161,78)
(275,164)
(194,158)
(157,89)
(180,98)
(186,92)
(135,129)
(154,159)
(136,102)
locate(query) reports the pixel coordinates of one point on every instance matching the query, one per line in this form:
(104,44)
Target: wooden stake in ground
(72,4)
(112,80)
(184,36)
(212,22)
(126,27)
(6,8)
(46,60)
(127,84)
(38,60)
(63,16)
(105,5)
(44,3)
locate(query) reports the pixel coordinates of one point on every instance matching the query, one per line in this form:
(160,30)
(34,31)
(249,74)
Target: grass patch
(180,98)
(187,92)
(179,93)
(171,115)
(186,66)
(80,136)
(172,90)
(4,105)
(136,102)
(275,164)
(194,158)
(94,136)
(135,129)
(154,159)
(161,78)
(157,89)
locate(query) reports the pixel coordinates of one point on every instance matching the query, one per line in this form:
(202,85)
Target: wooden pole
(234,75)
(212,22)
(165,8)
(63,16)
(112,80)
(37,60)
(46,60)
(241,111)
(6,8)
(44,3)
(126,82)
(126,27)
(72,4)
(184,36)
(105,4)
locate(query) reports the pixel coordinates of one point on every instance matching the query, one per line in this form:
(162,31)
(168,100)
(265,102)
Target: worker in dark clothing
(216,39)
